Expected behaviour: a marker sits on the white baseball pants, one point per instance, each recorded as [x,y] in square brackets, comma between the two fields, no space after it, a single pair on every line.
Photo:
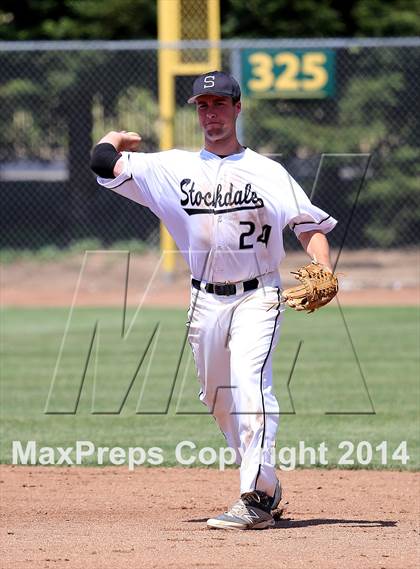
[232,339]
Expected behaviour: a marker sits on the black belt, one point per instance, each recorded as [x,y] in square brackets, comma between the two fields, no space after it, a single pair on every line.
[225,289]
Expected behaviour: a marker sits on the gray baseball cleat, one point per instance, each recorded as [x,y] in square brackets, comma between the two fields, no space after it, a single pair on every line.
[251,511]
[277,496]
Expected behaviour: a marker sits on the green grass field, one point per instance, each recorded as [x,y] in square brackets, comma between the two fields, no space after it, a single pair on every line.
[161,409]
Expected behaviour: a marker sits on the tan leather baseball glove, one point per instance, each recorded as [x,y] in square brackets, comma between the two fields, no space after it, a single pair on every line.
[318,286]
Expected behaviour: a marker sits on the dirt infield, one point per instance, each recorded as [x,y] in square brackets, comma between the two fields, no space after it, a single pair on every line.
[110,517]
[366,277]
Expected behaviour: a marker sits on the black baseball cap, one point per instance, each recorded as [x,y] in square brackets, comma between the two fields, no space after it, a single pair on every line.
[215,83]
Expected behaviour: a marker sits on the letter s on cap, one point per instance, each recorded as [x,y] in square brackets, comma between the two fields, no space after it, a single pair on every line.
[208,81]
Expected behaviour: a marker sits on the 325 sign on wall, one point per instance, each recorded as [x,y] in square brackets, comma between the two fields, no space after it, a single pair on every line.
[293,74]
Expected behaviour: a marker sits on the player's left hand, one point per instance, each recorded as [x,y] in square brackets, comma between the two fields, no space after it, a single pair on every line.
[318,287]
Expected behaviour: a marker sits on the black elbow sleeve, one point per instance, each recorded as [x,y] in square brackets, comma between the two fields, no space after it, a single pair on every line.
[103,159]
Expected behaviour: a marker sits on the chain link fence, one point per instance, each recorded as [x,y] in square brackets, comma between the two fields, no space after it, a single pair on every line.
[354,147]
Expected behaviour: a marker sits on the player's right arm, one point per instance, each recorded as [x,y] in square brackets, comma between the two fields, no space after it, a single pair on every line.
[137,176]
[106,160]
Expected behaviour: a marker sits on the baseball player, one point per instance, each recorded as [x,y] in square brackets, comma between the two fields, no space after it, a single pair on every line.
[226,207]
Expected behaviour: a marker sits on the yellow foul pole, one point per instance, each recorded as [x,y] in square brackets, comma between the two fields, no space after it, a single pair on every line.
[168,23]
[202,20]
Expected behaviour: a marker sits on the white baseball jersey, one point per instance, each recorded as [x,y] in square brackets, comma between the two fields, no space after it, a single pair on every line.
[226,215]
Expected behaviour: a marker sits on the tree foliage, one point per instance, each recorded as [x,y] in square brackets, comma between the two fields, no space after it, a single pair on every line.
[77,19]
[320,18]
[136,19]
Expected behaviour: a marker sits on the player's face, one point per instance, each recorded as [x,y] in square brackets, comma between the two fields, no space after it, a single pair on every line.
[217,116]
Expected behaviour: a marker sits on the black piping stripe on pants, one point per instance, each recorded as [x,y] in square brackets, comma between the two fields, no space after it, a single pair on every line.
[261,389]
